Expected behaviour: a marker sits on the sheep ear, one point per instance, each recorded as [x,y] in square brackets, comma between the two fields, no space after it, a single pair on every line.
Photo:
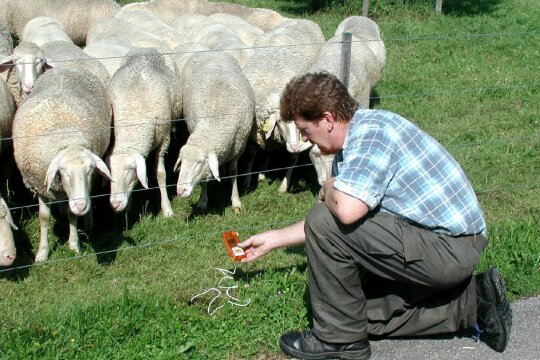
[49,64]
[271,125]
[177,165]
[7,215]
[141,169]
[214,165]
[51,170]
[7,63]
[101,167]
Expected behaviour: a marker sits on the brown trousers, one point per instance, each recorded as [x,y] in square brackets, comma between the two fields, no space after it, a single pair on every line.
[385,276]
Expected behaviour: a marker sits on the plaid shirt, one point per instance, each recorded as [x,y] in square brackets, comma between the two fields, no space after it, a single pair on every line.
[386,160]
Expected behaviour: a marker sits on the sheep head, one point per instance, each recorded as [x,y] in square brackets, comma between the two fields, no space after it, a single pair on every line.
[127,168]
[75,166]
[194,164]
[29,62]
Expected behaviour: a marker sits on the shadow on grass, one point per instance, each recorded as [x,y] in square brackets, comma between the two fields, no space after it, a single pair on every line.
[469,7]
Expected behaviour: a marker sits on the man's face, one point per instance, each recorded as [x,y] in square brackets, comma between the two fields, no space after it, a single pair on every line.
[317,132]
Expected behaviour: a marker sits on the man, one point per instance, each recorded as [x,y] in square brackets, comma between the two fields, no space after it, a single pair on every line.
[393,244]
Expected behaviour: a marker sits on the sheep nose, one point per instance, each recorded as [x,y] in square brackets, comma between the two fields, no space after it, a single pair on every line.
[115,204]
[81,206]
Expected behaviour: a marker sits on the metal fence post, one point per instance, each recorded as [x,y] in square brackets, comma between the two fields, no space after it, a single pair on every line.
[346,39]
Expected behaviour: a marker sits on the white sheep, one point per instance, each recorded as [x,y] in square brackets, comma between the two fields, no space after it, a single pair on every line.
[104,29]
[7,111]
[264,19]
[169,10]
[183,52]
[60,132]
[44,29]
[218,107]
[110,51]
[151,24]
[31,60]
[228,42]
[76,15]
[8,252]
[63,54]
[278,55]
[141,126]
[364,67]
[365,30]
[7,70]
[247,32]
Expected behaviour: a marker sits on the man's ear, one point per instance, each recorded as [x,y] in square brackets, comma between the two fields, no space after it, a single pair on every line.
[330,120]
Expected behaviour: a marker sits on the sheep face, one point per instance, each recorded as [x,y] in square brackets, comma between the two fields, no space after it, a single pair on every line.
[29,62]
[126,171]
[7,244]
[195,164]
[76,166]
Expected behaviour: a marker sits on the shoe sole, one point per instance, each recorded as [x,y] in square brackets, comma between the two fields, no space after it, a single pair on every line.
[497,288]
[364,354]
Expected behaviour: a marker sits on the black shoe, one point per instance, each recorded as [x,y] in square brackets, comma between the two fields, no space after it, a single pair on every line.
[304,345]
[494,313]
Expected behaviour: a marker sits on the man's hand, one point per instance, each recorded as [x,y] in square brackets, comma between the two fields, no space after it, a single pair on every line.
[258,245]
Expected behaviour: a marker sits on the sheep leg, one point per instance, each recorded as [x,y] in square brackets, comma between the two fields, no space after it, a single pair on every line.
[73,240]
[161,175]
[287,179]
[251,150]
[235,196]
[203,199]
[44,216]
[262,174]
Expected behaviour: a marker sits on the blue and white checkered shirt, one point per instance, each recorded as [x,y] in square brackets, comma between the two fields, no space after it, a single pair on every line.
[386,160]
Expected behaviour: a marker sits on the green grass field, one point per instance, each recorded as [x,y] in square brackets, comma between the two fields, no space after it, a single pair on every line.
[470,77]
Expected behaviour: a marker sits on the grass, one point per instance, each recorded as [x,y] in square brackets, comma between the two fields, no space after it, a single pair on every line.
[132,300]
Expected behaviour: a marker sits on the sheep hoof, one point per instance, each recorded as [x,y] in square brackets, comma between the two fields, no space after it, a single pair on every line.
[168,213]
[237,210]
[42,255]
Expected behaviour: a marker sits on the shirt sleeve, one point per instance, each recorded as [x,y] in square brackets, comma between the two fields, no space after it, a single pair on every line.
[368,163]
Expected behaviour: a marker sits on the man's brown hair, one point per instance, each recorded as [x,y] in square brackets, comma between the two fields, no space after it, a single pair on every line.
[311,94]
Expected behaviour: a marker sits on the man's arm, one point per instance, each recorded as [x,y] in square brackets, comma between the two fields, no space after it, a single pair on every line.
[261,244]
[347,209]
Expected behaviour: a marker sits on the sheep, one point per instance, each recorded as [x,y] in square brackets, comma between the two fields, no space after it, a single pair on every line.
[218,106]
[63,54]
[368,31]
[109,51]
[247,32]
[364,67]
[106,28]
[141,127]
[31,60]
[169,10]
[44,29]
[76,15]
[7,111]
[8,252]
[153,25]
[228,42]
[264,19]
[7,72]
[183,52]
[277,56]
[60,132]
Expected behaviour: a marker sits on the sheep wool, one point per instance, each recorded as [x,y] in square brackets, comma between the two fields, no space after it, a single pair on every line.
[218,108]
[76,15]
[141,126]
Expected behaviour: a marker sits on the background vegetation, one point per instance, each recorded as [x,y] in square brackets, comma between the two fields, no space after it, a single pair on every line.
[469,77]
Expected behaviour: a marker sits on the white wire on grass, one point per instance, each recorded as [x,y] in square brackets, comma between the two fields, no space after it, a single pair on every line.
[227,274]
